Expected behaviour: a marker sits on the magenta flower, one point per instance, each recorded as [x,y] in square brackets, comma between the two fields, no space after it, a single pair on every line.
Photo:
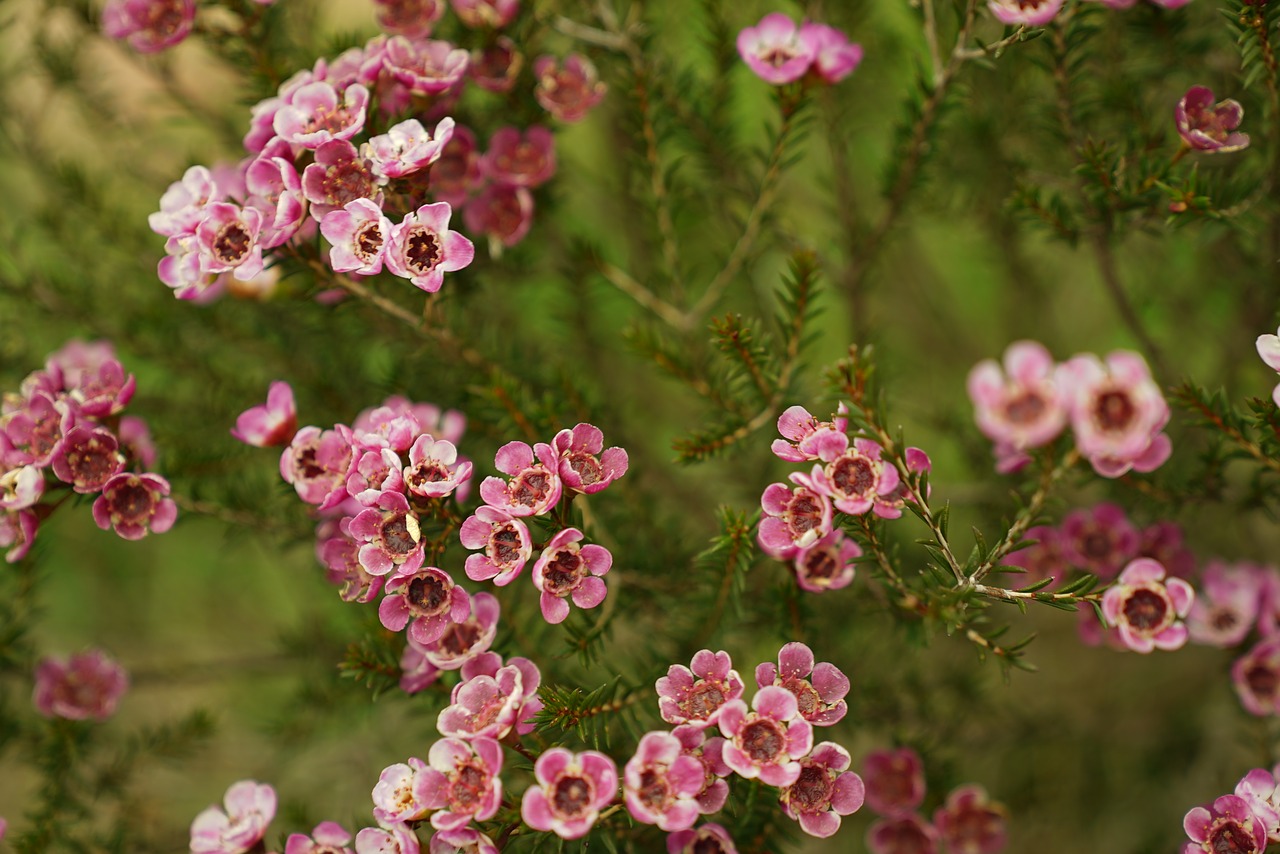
[434,470]
[88,458]
[1226,605]
[374,473]
[465,839]
[250,806]
[135,441]
[583,465]
[464,640]
[497,66]
[908,834]
[489,663]
[568,570]
[534,487]
[709,838]
[502,212]
[149,26]
[834,56]
[804,436]
[828,564]
[767,741]
[1046,559]
[894,781]
[35,431]
[397,840]
[794,518]
[1258,790]
[427,596]
[17,533]
[521,159]
[567,92]
[387,427]
[338,177]
[426,67]
[970,822]
[571,790]
[1206,126]
[1117,412]
[1020,407]
[1032,13]
[660,783]
[484,706]
[1146,606]
[1100,540]
[389,536]
[357,235]
[819,689]
[1228,826]
[314,115]
[412,19]
[824,792]
[713,790]
[88,685]
[134,505]
[775,50]
[505,541]
[422,248]
[275,190]
[697,696]
[406,148]
[855,477]
[329,837]
[272,423]
[1256,677]
[493,14]
[405,792]
[463,781]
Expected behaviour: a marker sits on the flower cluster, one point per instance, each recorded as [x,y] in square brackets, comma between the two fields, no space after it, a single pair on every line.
[780,52]
[849,475]
[381,187]
[1116,411]
[63,432]
[968,821]
[87,685]
[1245,821]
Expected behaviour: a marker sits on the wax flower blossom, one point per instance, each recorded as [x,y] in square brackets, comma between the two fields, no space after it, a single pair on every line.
[426,596]
[1020,407]
[1100,540]
[585,465]
[1032,13]
[1256,677]
[481,710]
[767,741]
[570,791]
[272,423]
[405,791]
[534,486]
[1228,825]
[149,26]
[795,518]
[1227,604]
[329,837]
[828,564]
[567,91]
[697,694]
[819,688]
[422,248]
[249,808]
[1209,127]
[774,50]
[855,478]
[709,752]
[908,834]
[1117,412]
[357,235]
[134,505]
[968,821]
[824,792]
[567,570]
[506,543]
[1258,789]
[1269,350]
[463,782]
[1147,607]
[804,436]
[88,685]
[406,148]
[661,783]
[894,781]
[709,838]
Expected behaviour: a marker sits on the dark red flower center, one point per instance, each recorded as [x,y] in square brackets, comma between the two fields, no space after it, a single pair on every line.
[1025,408]
[803,513]
[232,243]
[467,787]
[587,467]
[973,827]
[563,574]
[572,796]
[708,844]
[396,536]
[1263,680]
[504,545]
[93,462]
[812,790]
[853,475]
[531,487]
[1113,410]
[654,791]
[1145,609]
[807,698]
[346,181]
[164,18]
[132,502]
[422,250]
[368,240]
[1230,838]
[822,564]
[460,637]
[762,740]
[428,594]
[702,700]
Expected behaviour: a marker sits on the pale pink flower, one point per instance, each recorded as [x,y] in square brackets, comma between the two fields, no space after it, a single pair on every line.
[357,236]
[502,212]
[891,504]
[565,570]
[149,26]
[272,423]
[567,92]
[894,781]
[406,148]
[1227,604]
[466,639]
[1269,350]
[404,792]
[22,486]
[767,741]
[275,189]
[696,695]
[534,486]
[1147,607]
[1032,13]
[457,172]
[506,543]
[316,463]
[1117,412]
[1209,127]
[908,834]
[660,783]
[134,505]
[88,685]
[182,205]
[34,432]
[374,473]
[463,781]
[493,14]
[315,114]
[389,536]
[416,670]
[434,470]
[387,427]
[584,465]
[794,518]
[709,838]
[824,792]
[834,56]
[135,441]
[249,808]
[490,663]
[1022,406]
[1258,790]
[855,477]
[819,689]
[709,752]
[484,706]
[1227,826]
[427,67]
[465,840]
[1256,677]
[413,19]
[329,837]
[520,158]
[804,436]
[828,564]
[570,791]
[17,534]
[396,840]
[775,51]
[429,598]
[422,248]
[338,177]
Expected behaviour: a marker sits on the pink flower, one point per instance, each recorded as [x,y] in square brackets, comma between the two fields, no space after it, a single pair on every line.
[465,839]
[88,458]
[1269,350]
[505,541]
[250,806]
[1146,606]
[428,597]
[775,50]
[406,148]
[329,837]
[275,190]
[227,238]
[855,478]
[1228,826]
[374,473]
[22,487]
[819,689]
[660,783]
[387,427]
[1227,604]
[697,696]
[434,470]
[583,468]
[338,177]
[133,503]
[1045,559]
[88,685]
[466,639]
[416,670]
[494,14]
[894,780]
[534,487]
[567,92]
[135,440]
[17,533]
[34,432]
[1117,412]
[501,211]
[457,172]
[398,840]
[316,464]
[890,504]
[314,115]
[182,205]
[835,57]
[969,822]
[357,235]
[713,790]
[1258,790]
[794,518]
[273,423]
[149,25]
[1256,677]
[804,436]
[1100,540]
[492,699]
[1020,407]
[412,19]
[496,67]
[427,67]
[521,159]
[1032,13]
[490,663]
[405,792]
[389,536]
[571,790]
[463,781]
[767,741]
[1210,127]
[710,838]
[566,569]
[909,834]
[828,564]
[1163,543]
[824,791]
[422,248]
